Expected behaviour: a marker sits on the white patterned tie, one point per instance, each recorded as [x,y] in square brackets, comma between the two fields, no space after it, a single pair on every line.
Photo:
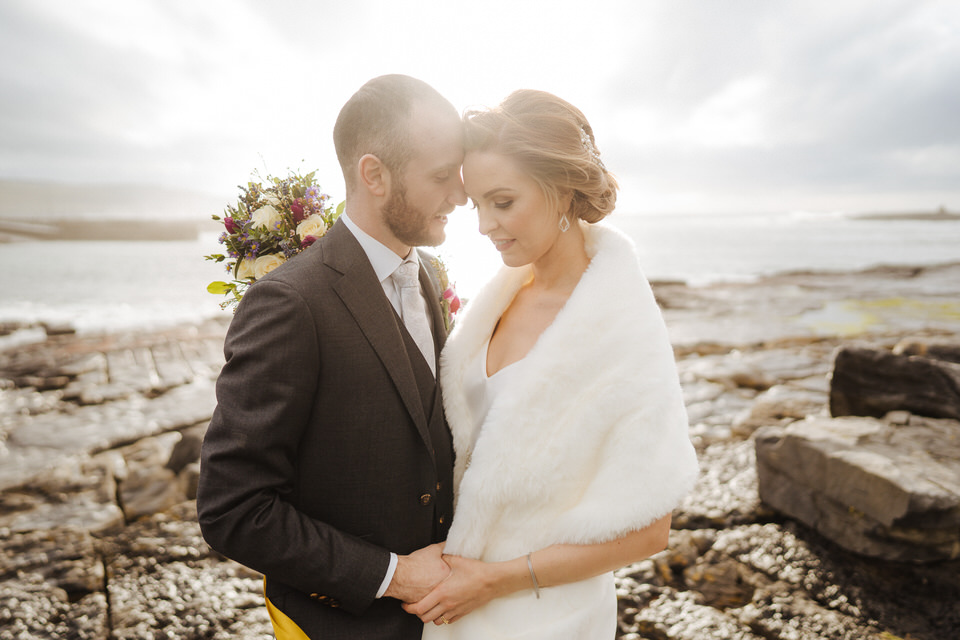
[413,310]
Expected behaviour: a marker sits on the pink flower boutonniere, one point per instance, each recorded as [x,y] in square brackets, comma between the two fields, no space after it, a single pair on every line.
[449,301]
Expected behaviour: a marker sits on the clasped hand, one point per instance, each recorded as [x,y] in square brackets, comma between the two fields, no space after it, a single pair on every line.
[468,585]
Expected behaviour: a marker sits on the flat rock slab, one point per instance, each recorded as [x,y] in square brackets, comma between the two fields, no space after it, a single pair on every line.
[779,405]
[80,493]
[813,304]
[758,370]
[875,488]
[37,444]
[148,486]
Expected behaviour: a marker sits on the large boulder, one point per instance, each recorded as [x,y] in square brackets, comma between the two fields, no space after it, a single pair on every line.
[873,382]
[879,489]
[938,349]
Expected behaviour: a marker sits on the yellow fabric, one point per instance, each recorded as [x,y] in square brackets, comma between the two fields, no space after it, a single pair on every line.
[283,627]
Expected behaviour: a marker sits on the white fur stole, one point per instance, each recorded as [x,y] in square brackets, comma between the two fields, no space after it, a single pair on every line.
[591,442]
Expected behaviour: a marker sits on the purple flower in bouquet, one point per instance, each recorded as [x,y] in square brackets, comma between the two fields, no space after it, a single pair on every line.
[272,221]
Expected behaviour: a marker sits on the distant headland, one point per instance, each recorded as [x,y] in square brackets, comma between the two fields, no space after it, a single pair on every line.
[38,210]
[940,214]
[12,230]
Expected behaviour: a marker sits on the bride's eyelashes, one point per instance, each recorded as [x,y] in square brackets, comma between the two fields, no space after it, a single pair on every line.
[505,204]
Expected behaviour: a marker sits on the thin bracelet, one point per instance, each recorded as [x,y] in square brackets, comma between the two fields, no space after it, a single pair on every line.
[533,576]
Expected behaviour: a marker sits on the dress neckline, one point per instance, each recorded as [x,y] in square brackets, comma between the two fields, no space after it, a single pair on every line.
[483,362]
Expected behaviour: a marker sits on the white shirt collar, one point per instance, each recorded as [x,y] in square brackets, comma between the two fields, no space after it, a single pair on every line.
[383,259]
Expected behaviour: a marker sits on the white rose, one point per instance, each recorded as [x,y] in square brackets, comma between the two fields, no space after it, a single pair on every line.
[312,226]
[266,217]
[269,198]
[266,264]
[246,269]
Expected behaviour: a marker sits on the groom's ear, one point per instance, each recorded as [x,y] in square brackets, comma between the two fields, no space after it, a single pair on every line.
[374,175]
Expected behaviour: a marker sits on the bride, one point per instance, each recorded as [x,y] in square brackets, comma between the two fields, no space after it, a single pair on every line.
[561,392]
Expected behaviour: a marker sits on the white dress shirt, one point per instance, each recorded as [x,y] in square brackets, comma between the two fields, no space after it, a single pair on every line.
[384,262]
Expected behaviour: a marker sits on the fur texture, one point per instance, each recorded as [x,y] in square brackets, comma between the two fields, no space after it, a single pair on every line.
[592,441]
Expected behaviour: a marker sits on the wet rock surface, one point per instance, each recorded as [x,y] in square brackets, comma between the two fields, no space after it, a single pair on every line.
[99,441]
[876,487]
[873,382]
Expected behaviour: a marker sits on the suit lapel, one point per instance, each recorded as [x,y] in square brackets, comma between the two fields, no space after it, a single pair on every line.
[433,304]
[363,296]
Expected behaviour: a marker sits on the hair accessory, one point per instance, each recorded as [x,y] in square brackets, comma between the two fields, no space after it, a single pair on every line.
[590,148]
[533,576]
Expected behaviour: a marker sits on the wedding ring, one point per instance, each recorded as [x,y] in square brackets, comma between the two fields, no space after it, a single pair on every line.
[444,620]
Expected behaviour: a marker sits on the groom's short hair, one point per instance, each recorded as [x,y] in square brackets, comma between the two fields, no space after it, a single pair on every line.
[375,120]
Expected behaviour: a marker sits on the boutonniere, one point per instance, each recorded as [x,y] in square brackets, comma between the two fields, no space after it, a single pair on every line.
[449,301]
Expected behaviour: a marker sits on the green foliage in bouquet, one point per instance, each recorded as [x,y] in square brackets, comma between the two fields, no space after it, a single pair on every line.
[273,220]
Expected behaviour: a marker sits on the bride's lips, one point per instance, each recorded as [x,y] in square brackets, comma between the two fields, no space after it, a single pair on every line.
[502,245]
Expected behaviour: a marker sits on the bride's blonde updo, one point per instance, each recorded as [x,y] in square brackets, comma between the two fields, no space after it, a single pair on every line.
[553,143]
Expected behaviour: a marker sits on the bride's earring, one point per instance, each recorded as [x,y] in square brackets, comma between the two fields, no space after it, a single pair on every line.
[564,223]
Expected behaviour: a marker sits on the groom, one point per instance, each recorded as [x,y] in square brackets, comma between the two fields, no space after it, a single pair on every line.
[328,464]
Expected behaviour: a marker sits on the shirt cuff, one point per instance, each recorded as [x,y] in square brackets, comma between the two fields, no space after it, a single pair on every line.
[387,579]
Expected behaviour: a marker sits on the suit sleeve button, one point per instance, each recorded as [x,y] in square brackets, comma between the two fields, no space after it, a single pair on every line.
[426,499]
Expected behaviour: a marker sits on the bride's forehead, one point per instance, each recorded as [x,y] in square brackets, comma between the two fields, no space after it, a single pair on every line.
[484,172]
[488,164]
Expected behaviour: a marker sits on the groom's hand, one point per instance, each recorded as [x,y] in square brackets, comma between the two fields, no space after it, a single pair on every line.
[418,573]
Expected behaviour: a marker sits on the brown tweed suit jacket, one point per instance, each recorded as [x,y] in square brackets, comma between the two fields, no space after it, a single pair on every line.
[328,448]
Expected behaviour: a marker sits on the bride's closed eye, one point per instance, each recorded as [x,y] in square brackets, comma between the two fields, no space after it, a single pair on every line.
[505,204]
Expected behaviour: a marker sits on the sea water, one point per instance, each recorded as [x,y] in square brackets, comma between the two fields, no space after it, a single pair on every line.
[114,285]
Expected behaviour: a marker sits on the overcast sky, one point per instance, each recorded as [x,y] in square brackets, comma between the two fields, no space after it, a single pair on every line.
[698,105]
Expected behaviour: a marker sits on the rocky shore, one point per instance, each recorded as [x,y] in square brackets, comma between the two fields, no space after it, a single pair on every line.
[100,436]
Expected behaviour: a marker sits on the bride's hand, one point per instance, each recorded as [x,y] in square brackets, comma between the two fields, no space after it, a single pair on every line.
[470,584]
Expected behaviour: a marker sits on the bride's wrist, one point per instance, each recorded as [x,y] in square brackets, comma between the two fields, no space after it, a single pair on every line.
[513,576]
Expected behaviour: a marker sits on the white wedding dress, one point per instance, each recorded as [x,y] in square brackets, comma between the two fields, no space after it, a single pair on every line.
[585,610]
[583,441]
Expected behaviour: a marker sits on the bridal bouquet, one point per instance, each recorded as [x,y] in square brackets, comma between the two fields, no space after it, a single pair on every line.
[273,220]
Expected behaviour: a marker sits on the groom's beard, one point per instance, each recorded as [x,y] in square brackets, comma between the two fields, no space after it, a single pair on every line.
[409,225]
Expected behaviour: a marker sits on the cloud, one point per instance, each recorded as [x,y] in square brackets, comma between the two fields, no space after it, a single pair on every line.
[696,104]
[842,97]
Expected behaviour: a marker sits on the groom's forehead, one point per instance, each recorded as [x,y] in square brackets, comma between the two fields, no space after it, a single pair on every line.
[437,142]
[435,121]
